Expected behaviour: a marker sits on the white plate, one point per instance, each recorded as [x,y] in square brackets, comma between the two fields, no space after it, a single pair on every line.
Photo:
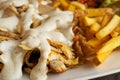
[111,65]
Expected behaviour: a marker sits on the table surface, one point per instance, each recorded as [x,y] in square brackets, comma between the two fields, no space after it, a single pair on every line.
[115,76]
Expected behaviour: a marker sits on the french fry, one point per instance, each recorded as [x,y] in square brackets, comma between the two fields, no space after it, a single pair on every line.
[71,7]
[96,42]
[107,48]
[99,59]
[78,5]
[108,28]
[56,4]
[64,3]
[98,12]
[114,34]
[106,19]
[99,19]
[95,27]
[89,21]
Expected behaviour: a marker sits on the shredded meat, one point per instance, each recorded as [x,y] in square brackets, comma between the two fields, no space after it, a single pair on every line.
[82,48]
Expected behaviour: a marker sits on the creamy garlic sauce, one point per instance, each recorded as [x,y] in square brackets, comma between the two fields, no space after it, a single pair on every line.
[46,2]
[37,37]
[9,23]
[1,13]
[27,18]
[34,3]
[16,3]
[12,58]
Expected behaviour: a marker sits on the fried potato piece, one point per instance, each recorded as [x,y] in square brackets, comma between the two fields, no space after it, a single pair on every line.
[116,31]
[108,28]
[86,44]
[98,12]
[89,21]
[96,42]
[64,3]
[106,19]
[78,5]
[56,4]
[95,27]
[106,49]
[99,59]
[71,7]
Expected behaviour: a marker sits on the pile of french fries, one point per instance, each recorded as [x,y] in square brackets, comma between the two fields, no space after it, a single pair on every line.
[68,5]
[101,29]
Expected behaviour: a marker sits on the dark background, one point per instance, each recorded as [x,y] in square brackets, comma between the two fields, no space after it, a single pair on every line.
[115,76]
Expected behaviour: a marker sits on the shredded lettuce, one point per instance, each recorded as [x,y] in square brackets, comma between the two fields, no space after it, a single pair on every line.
[106,3]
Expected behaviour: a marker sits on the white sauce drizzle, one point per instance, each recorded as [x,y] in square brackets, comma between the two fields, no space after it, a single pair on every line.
[1,13]
[17,3]
[10,23]
[43,2]
[38,38]
[34,3]
[27,18]
[12,58]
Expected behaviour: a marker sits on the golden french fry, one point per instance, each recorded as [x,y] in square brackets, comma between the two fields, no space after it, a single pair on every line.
[108,28]
[96,42]
[64,3]
[78,5]
[114,34]
[106,19]
[110,45]
[107,48]
[56,4]
[99,19]
[101,58]
[95,27]
[98,12]
[71,7]
[89,21]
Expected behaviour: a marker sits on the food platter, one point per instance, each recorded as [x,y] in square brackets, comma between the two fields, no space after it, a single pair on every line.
[68,41]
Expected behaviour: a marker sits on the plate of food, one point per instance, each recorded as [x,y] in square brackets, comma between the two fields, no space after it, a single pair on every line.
[58,39]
